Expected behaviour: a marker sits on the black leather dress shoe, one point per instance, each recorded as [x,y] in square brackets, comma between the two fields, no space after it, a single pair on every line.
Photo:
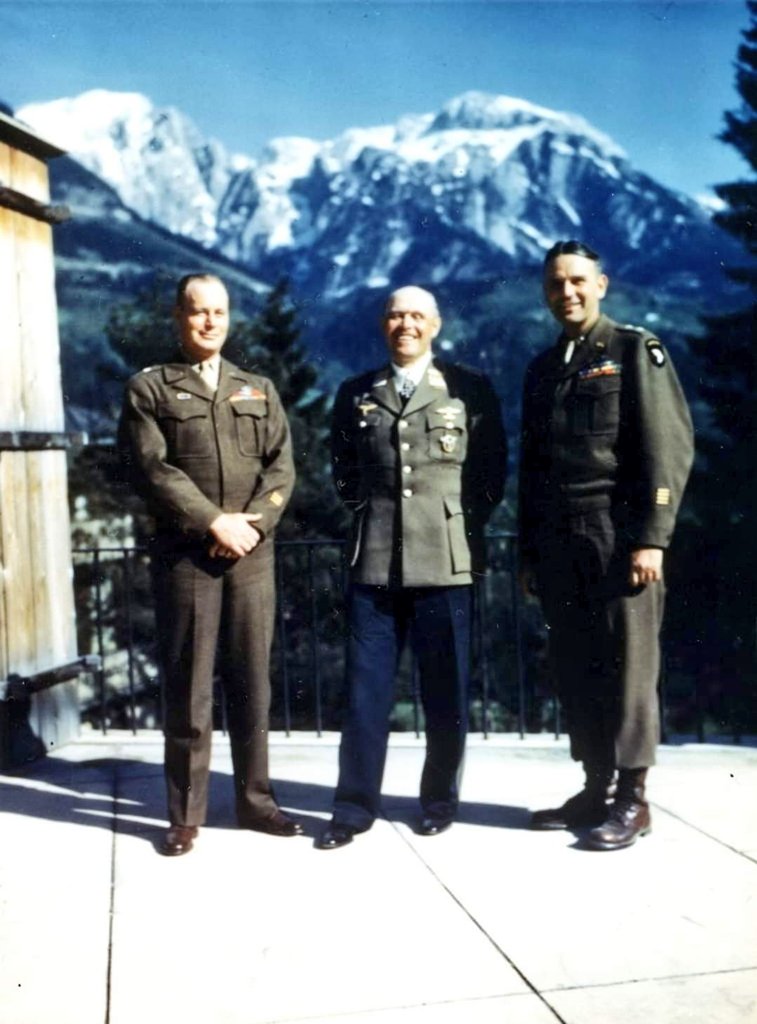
[178,840]
[277,825]
[584,810]
[433,826]
[335,836]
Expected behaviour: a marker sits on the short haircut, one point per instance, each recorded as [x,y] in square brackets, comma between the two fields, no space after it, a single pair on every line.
[184,283]
[415,288]
[572,247]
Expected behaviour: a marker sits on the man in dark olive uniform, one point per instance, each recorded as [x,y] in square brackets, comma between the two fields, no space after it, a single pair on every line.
[606,451]
[419,457]
[208,447]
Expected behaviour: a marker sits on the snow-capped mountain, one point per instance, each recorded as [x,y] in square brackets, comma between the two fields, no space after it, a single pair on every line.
[155,159]
[483,186]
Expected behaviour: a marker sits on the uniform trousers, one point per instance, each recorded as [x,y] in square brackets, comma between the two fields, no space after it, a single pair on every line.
[603,640]
[438,622]
[214,614]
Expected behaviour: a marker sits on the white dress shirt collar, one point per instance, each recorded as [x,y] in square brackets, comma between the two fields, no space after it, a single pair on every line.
[415,371]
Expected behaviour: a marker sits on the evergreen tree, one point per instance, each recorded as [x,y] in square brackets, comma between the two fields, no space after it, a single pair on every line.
[723,490]
[270,345]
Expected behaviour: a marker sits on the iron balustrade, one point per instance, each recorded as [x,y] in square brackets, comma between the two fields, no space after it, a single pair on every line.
[511,688]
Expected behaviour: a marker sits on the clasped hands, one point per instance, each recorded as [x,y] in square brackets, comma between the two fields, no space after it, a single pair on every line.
[234,535]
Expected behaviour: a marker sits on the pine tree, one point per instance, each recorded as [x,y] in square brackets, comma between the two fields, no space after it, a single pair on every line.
[270,345]
[724,485]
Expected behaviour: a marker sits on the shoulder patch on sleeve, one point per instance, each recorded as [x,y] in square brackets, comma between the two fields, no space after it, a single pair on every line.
[655,352]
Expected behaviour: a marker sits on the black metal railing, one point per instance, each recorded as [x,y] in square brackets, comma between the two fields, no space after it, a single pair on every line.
[511,687]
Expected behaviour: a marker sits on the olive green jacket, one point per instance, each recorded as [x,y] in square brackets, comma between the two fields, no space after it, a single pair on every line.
[609,429]
[194,453]
[422,479]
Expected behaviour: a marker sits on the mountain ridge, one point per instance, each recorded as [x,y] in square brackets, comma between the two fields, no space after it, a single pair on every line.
[482,185]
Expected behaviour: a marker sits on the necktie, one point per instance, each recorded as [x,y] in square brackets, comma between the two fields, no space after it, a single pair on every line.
[407,387]
[207,372]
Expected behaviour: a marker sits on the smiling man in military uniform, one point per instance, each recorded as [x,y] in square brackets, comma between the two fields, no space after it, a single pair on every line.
[208,446]
[419,457]
[606,451]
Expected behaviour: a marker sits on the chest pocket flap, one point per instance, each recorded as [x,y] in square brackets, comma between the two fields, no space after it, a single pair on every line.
[187,427]
[594,406]
[249,416]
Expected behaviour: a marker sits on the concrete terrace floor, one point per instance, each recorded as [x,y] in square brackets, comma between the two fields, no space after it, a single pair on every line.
[488,923]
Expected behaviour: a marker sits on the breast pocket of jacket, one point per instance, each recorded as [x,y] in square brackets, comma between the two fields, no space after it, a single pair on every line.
[250,420]
[188,429]
[594,405]
[447,436]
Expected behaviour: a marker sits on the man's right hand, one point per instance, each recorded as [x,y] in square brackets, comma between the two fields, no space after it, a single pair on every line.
[234,535]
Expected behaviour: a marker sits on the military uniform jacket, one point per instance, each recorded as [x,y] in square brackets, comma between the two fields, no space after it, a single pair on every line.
[609,430]
[422,479]
[195,453]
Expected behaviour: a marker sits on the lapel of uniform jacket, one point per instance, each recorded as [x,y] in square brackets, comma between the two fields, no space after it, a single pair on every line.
[384,392]
[230,380]
[431,387]
[182,377]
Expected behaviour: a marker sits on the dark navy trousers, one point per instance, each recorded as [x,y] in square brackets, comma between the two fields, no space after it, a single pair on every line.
[437,621]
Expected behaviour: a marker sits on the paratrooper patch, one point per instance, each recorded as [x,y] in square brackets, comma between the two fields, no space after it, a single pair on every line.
[655,352]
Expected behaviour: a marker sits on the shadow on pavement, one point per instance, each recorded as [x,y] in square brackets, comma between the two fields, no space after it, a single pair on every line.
[128,796]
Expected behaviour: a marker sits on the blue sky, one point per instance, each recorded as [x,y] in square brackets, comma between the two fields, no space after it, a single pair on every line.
[655,76]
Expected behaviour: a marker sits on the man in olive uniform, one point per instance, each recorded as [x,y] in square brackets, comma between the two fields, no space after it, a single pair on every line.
[208,446]
[419,457]
[606,451]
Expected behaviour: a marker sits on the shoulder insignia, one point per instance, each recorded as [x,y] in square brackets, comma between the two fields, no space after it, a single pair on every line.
[149,369]
[435,378]
[655,352]
[633,327]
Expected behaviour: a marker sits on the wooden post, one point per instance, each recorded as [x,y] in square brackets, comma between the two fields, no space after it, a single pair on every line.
[37,622]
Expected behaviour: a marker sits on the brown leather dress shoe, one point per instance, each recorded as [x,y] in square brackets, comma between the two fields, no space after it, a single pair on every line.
[279,824]
[625,822]
[178,840]
[629,815]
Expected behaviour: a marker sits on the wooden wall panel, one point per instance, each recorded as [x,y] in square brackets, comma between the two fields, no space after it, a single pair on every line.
[50,570]
[37,618]
[11,379]
[35,268]
[16,533]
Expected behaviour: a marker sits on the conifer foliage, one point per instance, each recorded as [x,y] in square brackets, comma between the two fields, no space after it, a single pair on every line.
[724,485]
